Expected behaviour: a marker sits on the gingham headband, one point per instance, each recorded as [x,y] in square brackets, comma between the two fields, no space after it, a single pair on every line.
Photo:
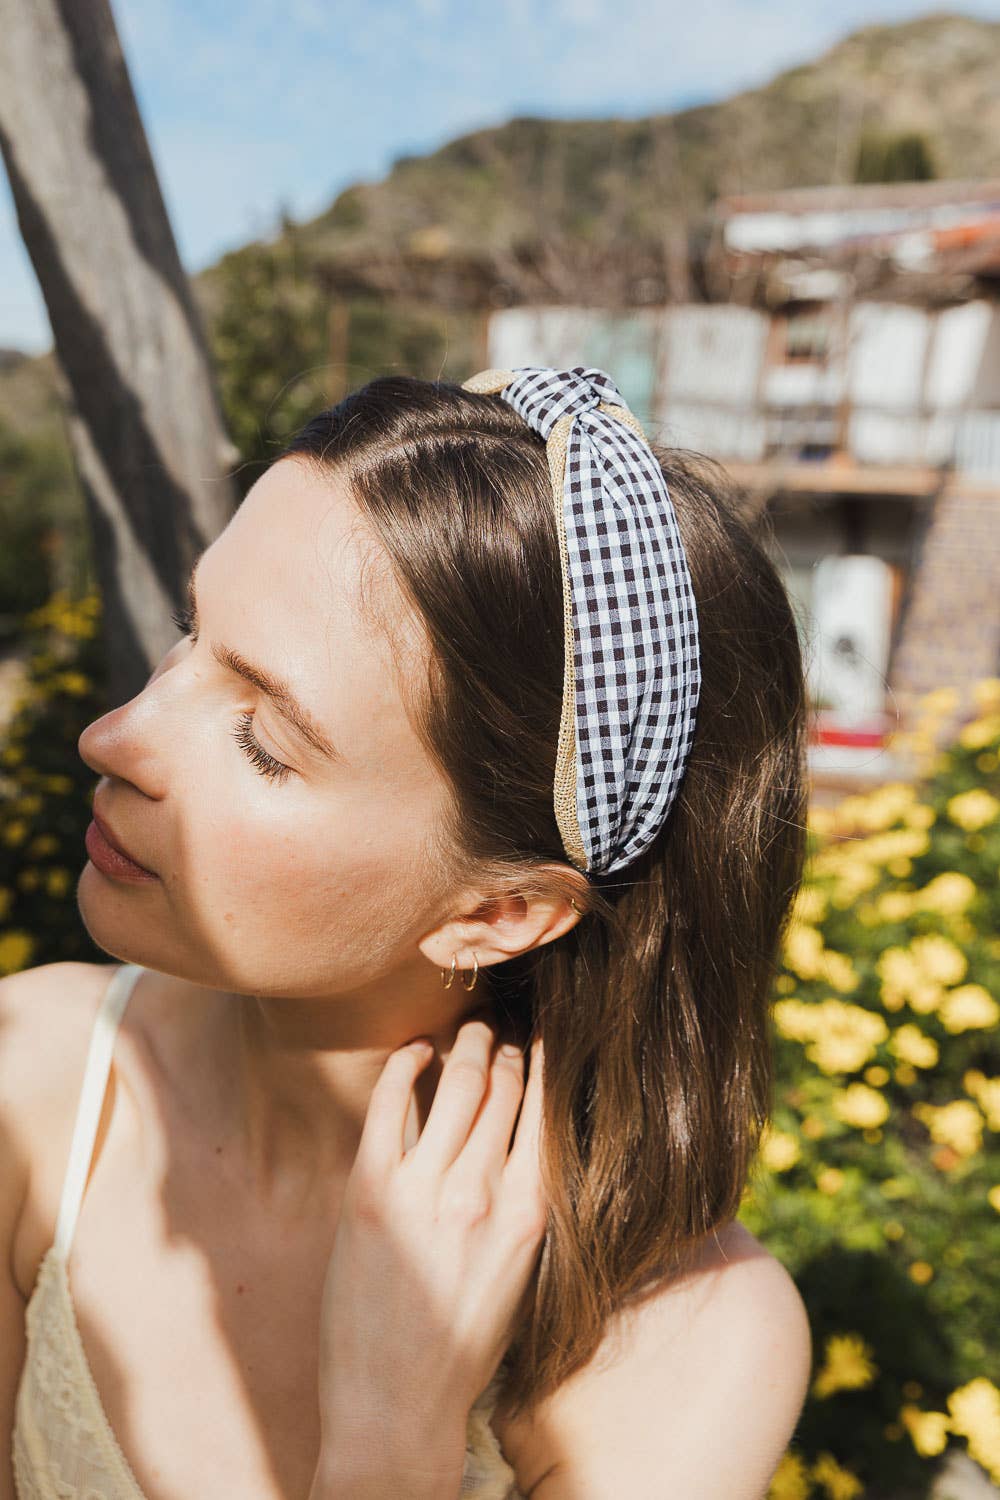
[632,675]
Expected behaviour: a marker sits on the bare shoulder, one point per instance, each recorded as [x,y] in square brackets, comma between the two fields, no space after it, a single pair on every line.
[47,1016]
[724,1349]
[43,1014]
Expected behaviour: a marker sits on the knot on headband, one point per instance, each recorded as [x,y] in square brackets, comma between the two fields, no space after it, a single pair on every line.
[632,669]
[543,397]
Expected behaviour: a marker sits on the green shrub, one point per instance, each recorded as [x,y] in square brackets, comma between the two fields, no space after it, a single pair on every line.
[878,1181]
[46,789]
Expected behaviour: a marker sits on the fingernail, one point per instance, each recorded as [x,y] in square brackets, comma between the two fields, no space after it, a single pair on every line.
[422,1044]
[510,1049]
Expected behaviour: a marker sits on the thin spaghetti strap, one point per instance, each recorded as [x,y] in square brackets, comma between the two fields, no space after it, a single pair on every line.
[88,1112]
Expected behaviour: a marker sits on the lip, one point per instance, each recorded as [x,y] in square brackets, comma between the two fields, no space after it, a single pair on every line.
[107,853]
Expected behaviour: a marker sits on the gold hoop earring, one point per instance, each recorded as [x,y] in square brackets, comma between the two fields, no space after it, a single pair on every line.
[447,983]
[475,974]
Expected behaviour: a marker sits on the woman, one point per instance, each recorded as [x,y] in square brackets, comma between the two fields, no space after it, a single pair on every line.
[314,1259]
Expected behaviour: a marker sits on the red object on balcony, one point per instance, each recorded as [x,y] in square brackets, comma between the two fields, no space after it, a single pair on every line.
[826,731]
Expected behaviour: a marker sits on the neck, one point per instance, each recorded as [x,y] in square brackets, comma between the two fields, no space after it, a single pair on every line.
[302,1071]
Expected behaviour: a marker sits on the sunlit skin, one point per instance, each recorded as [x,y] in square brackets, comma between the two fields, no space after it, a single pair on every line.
[308,915]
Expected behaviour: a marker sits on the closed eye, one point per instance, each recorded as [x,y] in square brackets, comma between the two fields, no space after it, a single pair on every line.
[259,758]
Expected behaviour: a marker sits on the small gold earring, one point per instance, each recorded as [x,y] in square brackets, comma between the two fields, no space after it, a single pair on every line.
[475,974]
[447,983]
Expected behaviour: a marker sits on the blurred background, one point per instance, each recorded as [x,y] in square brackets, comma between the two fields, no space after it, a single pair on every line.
[778,227]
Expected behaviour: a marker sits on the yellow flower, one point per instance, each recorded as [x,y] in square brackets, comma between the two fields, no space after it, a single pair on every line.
[921,1271]
[841,1037]
[791,1480]
[974,809]
[967,1008]
[16,949]
[860,1106]
[803,950]
[894,906]
[893,1229]
[58,881]
[928,1429]
[912,1045]
[42,844]
[844,1036]
[848,1365]
[986,1092]
[986,692]
[812,1127]
[809,905]
[938,702]
[877,1076]
[830,1180]
[975,1415]
[979,733]
[939,958]
[779,1150]
[948,893]
[58,784]
[74,683]
[820,820]
[838,1483]
[904,979]
[919,816]
[15,832]
[958,1125]
[838,970]
[794,1019]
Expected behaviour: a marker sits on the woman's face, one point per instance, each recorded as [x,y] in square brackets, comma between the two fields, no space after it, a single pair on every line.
[316,879]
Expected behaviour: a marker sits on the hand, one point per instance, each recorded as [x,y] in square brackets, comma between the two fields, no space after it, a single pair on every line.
[434,1251]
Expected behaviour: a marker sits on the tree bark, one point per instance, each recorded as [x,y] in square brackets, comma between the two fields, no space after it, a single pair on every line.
[144,418]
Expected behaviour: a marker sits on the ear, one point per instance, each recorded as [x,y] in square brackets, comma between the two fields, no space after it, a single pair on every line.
[498,927]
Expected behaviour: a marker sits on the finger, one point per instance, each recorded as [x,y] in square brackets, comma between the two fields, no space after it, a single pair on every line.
[522,1163]
[387,1118]
[485,1152]
[458,1096]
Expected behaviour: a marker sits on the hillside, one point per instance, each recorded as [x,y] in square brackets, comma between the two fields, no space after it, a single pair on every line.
[608,180]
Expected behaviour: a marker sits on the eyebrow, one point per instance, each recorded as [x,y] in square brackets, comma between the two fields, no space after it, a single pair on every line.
[272,686]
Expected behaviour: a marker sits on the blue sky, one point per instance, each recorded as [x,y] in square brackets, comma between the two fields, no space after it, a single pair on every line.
[258,106]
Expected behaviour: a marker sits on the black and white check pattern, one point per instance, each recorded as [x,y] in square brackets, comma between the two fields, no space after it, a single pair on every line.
[635,624]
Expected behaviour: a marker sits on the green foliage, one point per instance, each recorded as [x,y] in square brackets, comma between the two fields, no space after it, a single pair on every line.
[270,343]
[906,157]
[388,337]
[40,511]
[878,1180]
[46,789]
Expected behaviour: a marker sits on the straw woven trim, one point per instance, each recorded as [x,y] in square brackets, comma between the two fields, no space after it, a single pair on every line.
[488,383]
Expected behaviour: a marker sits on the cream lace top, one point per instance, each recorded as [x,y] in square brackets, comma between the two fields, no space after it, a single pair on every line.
[64,1447]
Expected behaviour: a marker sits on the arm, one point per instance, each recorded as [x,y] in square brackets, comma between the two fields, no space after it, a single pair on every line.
[700,1393]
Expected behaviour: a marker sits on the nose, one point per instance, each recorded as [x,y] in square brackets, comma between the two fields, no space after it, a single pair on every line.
[107,740]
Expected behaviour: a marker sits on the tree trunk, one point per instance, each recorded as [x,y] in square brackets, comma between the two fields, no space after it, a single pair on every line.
[145,422]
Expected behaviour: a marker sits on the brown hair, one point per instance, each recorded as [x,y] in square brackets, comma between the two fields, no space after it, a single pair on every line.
[655,1007]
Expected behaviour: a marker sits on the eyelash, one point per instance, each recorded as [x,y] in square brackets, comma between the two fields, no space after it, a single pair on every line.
[255,752]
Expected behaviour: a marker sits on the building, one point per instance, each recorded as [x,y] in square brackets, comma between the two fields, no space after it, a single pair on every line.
[849,379]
